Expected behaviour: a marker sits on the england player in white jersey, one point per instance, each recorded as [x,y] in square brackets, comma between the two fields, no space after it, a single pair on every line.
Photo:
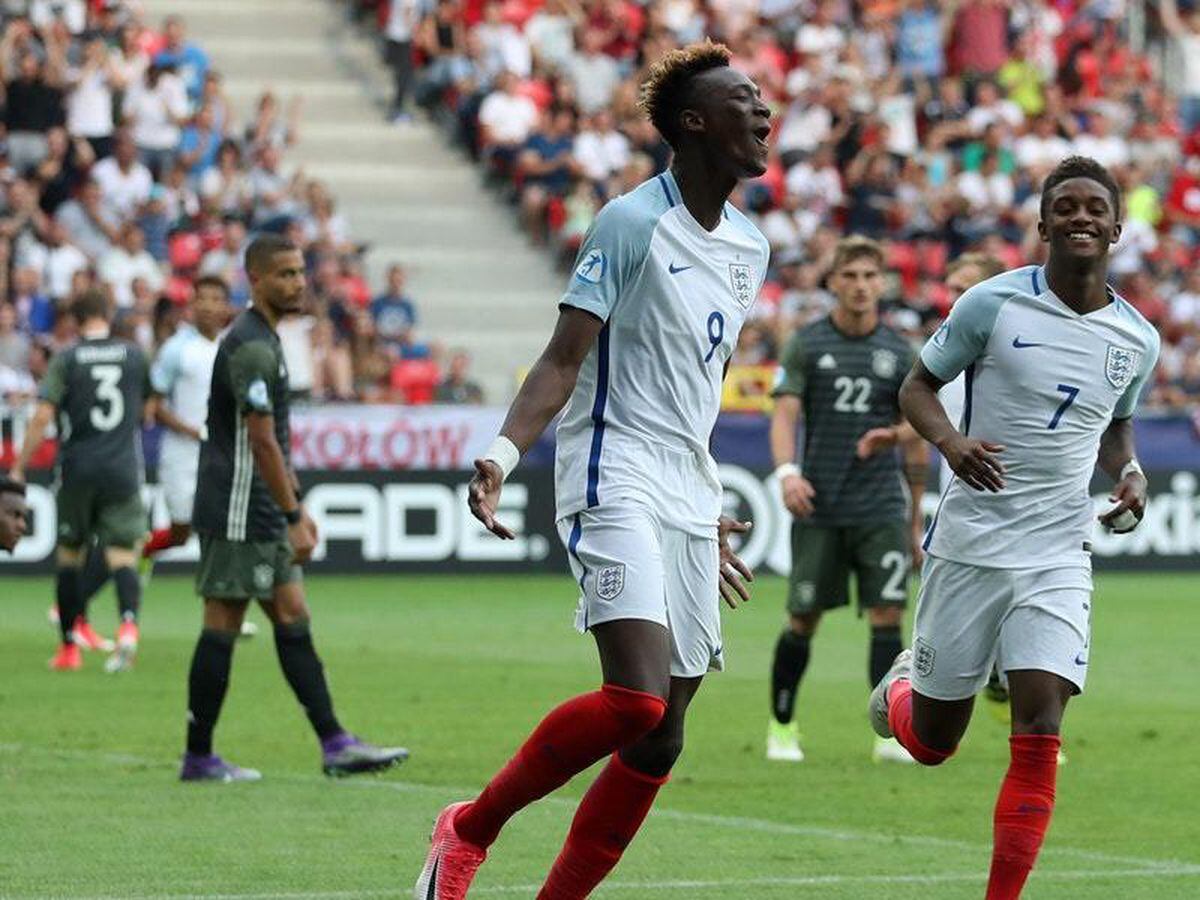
[180,378]
[662,285]
[1054,364]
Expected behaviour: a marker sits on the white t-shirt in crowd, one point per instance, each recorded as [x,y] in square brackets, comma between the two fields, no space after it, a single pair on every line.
[118,269]
[508,117]
[600,155]
[90,104]
[153,111]
[123,192]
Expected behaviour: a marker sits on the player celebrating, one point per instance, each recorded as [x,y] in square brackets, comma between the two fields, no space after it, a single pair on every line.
[14,514]
[98,389]
[845,370]
[646,327]
[254,534]
[1054,364]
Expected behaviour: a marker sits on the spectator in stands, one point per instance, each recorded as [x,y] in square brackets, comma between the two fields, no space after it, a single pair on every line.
[93,86]
[601,151]
[323,224]
[593,73]
[1184,308]
[226,261]
[504,46]
[403,17]
[126,261]
[57,260]
[546,165]
[199,143]
[395,314]
[155,222]
[1181,210]
[1098,142]
[271,126]
[370,361]
[88,222]
[15,346]
[187,59]
[1185,30]
[457,387]
[123,179]
[155,108]
[130,59]
[63,169]
[919,27]
[978,36]
[35,310]
[273,189]
[22,220]
[181,202]
[45,14]
[34,96]
[226,184]
[551,32]
[506,119]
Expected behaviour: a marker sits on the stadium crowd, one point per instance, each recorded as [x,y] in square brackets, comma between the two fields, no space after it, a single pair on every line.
[124,165]
[926,125]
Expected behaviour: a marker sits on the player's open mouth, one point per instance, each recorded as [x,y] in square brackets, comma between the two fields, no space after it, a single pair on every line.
[1081,237]
[761,135]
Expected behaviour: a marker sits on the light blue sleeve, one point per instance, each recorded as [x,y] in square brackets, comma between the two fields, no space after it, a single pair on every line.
[165,370]
[612,253]
[964,335]
[1129,400]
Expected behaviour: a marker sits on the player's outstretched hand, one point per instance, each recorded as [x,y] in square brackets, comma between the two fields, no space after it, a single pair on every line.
[303,538]
[733,570]
[876,441]
[975,462]
[1130,498]
[483,496]
[798,495]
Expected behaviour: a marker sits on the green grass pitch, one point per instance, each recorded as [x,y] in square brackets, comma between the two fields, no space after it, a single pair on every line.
[459,669]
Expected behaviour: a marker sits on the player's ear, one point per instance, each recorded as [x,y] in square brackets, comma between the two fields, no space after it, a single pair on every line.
[691,120]
[1116,233]
[1043,235]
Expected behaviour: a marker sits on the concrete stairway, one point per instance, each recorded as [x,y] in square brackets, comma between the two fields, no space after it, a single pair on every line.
[414,199]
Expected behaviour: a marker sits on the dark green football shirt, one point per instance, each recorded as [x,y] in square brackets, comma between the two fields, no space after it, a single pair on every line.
[249,378]
[848,386]
[99,387]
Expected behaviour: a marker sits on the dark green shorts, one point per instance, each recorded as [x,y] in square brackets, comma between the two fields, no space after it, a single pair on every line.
[824,557]
[85,513]
[243,570]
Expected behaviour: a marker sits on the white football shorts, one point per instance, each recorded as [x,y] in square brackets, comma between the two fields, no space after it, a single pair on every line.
[178,472]
[970,617]
[630,564]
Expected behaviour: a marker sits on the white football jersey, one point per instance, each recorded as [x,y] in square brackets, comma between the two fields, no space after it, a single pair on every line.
[1045,382]
[183,374]
[673,298]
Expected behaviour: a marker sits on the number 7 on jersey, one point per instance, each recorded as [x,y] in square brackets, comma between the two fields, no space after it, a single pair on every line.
[1072,392]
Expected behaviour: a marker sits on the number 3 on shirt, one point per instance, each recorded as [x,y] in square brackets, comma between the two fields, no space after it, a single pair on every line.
[1072,392]
[716,333]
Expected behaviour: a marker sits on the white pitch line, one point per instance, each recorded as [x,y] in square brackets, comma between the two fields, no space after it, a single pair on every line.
[735,822]
[689,885]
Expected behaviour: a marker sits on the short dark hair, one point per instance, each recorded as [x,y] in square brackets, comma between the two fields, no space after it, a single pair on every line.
[11,486]
[265,246]
[213,281]
[1081,167]
[91,304]
[855,247]
[667,88]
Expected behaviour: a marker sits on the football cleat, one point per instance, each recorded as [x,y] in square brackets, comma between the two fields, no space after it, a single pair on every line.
[127,644]
[344,754]
[212,768]
[451,864]
[248,629]
[877,706]
[69,658]
[890,750]
[783,742]
[87,638]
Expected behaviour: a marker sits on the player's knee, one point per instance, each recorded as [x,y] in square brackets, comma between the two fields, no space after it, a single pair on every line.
[1040,722]
[886,617]
[637,711]
[69,557]
[656,754]
[804,625]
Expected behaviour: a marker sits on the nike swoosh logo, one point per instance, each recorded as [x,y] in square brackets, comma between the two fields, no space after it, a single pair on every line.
[1081,660]
[431,894]
[675,270]
[1021,345]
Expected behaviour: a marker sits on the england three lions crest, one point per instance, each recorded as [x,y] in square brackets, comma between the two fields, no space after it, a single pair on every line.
[1120,365]
[741,282]
[610,581]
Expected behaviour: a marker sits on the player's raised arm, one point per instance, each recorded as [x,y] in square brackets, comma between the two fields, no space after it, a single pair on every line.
[542,395]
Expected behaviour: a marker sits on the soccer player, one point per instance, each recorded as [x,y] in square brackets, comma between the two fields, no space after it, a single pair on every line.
[1054,363]
[14,514]
[661,287]
[254,533]
[98,389]
[851,511]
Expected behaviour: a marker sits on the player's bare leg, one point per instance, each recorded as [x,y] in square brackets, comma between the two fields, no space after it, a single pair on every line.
[342,753]
[787,669]
[635,659]
[122,562]
[927,728]
[1026,800]
[208,681]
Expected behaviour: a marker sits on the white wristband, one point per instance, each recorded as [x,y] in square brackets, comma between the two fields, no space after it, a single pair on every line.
[1131,467]
[503,453]
[787,470]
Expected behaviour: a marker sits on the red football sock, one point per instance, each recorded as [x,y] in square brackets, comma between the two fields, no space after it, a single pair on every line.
[571,738]
[159,540]
[608,817]
[1023,812]
[900,721]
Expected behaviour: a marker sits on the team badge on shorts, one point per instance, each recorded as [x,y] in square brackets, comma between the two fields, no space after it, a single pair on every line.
[263,576]
[883,363]
[610,581]
[923,656]
[741,280]
[1120,365]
